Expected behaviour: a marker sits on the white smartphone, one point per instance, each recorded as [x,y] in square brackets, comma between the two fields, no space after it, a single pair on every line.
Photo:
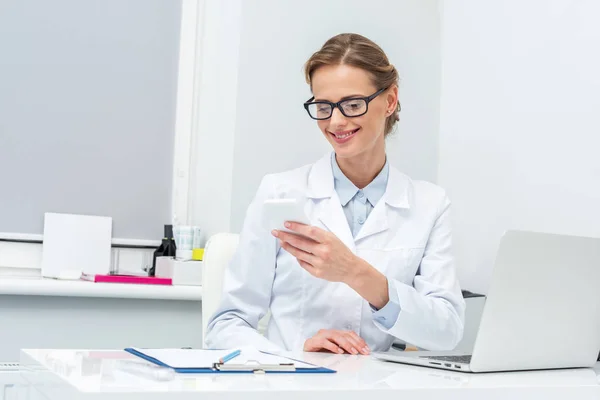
[276,212]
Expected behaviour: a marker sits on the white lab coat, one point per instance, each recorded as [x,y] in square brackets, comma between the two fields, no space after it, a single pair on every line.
[407,237]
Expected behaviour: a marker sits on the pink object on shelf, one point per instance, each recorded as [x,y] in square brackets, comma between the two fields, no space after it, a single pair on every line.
[140,280]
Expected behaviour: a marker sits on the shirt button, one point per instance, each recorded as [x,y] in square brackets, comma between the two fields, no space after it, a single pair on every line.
[361,220]
[360,194]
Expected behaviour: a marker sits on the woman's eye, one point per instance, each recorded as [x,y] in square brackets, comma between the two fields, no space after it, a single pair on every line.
[353,105]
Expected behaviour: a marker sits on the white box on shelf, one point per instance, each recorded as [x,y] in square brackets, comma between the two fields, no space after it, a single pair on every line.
[181,272]
[74,244]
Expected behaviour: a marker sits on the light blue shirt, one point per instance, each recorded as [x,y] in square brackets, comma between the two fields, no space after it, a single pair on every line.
[358,204]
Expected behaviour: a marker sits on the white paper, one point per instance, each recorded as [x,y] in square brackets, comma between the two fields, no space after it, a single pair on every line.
[75,244]
[196,358]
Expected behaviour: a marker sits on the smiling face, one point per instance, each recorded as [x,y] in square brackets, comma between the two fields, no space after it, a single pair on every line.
[356,137]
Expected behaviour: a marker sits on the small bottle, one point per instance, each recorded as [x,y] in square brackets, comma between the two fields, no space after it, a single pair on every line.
[166,249]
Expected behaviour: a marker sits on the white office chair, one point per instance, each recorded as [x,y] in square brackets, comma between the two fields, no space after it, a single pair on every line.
[218,253]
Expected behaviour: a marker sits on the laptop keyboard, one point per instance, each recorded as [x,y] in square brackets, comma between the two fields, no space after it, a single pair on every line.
[458,359]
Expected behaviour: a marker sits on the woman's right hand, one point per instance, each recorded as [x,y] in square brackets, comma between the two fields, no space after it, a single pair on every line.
[337,341]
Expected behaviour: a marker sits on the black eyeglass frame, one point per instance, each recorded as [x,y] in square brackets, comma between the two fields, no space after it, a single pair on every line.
[337,105]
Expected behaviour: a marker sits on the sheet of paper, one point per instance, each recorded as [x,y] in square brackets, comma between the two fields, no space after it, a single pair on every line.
[186,358]
[74,244]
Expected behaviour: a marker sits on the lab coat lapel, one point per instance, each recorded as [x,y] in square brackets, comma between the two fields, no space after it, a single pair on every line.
[327,207]
[395,197]
[377,221]
[332,216]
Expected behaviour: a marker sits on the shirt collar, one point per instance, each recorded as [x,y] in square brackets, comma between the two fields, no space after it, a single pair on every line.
[346,190]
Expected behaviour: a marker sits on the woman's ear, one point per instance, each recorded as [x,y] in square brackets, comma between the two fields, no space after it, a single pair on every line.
[392,99]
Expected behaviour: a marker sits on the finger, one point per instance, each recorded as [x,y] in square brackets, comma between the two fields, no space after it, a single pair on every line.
[343,341]
[308,267]
[363,345]
[358,342]
[361,341]
[299,254]
[283,235]
[311,232]
[353,342]
[299,242]
[311,345]
[327,344]
[318,343]
[314,271]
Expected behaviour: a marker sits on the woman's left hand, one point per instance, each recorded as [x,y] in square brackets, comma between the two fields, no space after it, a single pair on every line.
[319,252]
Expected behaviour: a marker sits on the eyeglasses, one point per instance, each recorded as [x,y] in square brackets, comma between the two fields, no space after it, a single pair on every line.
[354,107]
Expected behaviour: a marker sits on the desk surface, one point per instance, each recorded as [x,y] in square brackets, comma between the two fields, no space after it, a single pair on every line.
[86,374]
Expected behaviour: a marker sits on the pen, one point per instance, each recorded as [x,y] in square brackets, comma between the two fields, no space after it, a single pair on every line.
[229,356]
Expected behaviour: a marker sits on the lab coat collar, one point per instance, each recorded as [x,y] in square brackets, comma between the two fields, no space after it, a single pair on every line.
[331,214]
[321,184]
[395,196]
[396,192]
[320,179]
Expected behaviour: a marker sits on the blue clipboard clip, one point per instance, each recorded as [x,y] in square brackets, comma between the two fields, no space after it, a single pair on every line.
[254,366]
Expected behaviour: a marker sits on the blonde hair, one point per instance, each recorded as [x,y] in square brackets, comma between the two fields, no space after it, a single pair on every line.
[357,51]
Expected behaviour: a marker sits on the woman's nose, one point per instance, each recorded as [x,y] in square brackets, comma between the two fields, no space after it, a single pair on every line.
[337,118]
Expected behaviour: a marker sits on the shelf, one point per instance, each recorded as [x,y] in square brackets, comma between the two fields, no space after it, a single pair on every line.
[36,286]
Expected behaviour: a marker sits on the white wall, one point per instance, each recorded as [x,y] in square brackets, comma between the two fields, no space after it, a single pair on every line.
[212,160]
[519,135]
[274,39]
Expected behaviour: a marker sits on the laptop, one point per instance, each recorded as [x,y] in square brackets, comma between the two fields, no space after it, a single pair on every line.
[542,309]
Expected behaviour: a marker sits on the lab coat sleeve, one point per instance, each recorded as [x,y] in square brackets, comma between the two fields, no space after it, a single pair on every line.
[247,284]
[432,309]
[388,315]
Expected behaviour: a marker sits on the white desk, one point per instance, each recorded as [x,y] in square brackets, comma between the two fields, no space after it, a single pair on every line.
[49,313]
[73,374]
[13,386]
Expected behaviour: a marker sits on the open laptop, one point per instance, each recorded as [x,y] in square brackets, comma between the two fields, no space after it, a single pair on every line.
[542,310]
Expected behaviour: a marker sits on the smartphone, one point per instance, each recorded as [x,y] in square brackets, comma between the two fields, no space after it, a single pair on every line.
[276,212]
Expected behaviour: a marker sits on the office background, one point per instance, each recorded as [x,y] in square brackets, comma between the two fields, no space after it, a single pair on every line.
[513,138]
[499,107]
[253,58]
[518,137]
[87,110]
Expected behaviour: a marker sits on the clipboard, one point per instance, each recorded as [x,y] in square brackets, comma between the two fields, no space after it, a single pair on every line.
[248,367]
[254,367]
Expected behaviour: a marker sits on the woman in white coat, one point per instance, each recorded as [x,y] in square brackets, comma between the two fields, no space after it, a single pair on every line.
[375,265]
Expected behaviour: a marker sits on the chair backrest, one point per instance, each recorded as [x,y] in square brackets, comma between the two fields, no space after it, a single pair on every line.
[218,252]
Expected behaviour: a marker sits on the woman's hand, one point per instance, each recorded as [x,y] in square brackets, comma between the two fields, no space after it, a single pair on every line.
[337,341]
[319,252]
[325,256]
